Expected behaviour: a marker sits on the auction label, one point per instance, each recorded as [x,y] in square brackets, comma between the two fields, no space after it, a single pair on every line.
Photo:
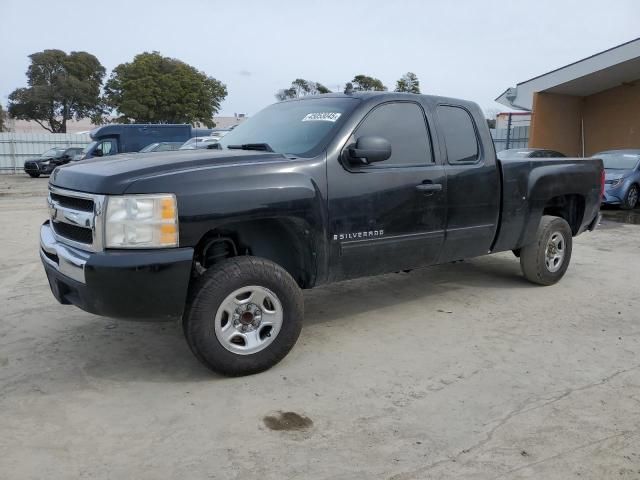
[321,117]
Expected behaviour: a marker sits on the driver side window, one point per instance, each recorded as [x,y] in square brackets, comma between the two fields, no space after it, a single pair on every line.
[403,125]
[107,147]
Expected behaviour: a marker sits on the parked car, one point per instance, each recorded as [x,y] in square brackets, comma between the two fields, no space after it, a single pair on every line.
[196,143]
[45,163]
[307,192]
[220,132]
[126,138]
[622,181]
[529,153]
[161,147]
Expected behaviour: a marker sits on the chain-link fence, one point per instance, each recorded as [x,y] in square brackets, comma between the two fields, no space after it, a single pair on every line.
[15,148]
[514,137]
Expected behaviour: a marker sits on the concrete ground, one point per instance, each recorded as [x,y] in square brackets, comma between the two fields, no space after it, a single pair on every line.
[461,371]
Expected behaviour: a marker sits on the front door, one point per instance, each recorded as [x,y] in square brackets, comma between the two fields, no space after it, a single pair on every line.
[387,216]
[106,147]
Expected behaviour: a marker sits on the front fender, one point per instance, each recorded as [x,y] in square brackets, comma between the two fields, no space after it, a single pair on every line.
[211,198]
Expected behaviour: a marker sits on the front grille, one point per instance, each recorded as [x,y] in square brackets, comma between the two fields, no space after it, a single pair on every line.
[72,232]
[31,166]
[83,204]
[76,218]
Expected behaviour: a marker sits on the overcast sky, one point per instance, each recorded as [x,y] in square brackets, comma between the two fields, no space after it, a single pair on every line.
[467,49]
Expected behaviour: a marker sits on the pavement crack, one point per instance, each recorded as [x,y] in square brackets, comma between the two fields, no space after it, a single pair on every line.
[514,413]
[565,452]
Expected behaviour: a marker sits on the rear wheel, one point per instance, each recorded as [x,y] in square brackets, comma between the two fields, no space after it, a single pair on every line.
[244,316]
[631,199]
[546,261]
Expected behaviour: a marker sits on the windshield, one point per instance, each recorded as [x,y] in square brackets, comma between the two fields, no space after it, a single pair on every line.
[89,147]
[619,161]
[149,148]
[191,143]
[299,128]
[53,152]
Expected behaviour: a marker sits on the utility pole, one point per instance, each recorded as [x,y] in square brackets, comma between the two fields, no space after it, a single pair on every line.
[508,131]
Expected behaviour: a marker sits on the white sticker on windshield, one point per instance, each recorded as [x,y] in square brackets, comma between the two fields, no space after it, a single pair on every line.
[321,117]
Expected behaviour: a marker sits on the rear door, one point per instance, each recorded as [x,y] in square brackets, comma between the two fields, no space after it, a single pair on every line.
[387,216]
[473,183]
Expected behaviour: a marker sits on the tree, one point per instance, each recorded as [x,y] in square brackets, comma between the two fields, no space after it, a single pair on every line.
[408,83]
[3,116]
[301,88]
[60,87]
[364,83]
[157,89]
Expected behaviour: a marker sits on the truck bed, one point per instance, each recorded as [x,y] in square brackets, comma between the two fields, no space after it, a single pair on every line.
[527,186]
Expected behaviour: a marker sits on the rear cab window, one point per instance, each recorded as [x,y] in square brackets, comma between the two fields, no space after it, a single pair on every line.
[460,135]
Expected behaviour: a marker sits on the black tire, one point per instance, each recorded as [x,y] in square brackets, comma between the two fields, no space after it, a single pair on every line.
[631,198]
[211,290]
[34,175]
[533,258]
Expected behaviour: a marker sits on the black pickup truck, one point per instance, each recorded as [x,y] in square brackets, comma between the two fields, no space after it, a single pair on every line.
[307,192]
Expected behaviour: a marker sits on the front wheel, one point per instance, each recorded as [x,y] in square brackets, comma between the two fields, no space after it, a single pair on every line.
[631,199]
[34,175]
[546,260]
[244,315]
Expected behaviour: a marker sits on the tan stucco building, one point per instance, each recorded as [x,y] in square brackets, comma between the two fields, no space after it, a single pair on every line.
[585,107]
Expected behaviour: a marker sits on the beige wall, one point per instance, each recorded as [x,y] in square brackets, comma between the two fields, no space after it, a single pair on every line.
[555,123]
[611,120]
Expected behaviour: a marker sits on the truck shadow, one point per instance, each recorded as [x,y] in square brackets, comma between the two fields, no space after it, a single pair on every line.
[328,303]
[99,349]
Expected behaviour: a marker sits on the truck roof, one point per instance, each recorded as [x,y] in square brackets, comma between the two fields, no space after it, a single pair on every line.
[371,95]
[119,127]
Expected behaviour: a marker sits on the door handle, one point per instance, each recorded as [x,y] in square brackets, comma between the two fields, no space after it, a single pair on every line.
[429,188]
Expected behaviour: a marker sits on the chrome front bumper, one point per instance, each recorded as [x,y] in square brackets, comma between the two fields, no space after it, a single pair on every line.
[67,260]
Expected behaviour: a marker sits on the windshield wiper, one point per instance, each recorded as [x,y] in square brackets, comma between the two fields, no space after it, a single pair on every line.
[263,147]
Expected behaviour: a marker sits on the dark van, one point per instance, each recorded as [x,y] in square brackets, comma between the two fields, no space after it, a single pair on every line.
[114,139]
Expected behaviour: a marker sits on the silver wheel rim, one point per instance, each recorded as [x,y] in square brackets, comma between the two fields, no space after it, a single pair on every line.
[633,197]
[554,253]
[248,320]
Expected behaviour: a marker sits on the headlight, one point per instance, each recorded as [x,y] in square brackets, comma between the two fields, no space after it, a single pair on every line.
[46,162]
[141,221]
[617,182]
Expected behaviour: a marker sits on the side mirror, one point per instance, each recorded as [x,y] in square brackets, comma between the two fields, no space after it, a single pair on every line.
[97,152]
[370,149]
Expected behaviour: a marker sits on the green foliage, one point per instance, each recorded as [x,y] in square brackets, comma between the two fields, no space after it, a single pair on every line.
[408,83]
[364,83]
[157,89]
[3,116]
[60,87]
[301,88]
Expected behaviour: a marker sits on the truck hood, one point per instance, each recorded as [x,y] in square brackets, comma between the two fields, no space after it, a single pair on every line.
[112,175]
